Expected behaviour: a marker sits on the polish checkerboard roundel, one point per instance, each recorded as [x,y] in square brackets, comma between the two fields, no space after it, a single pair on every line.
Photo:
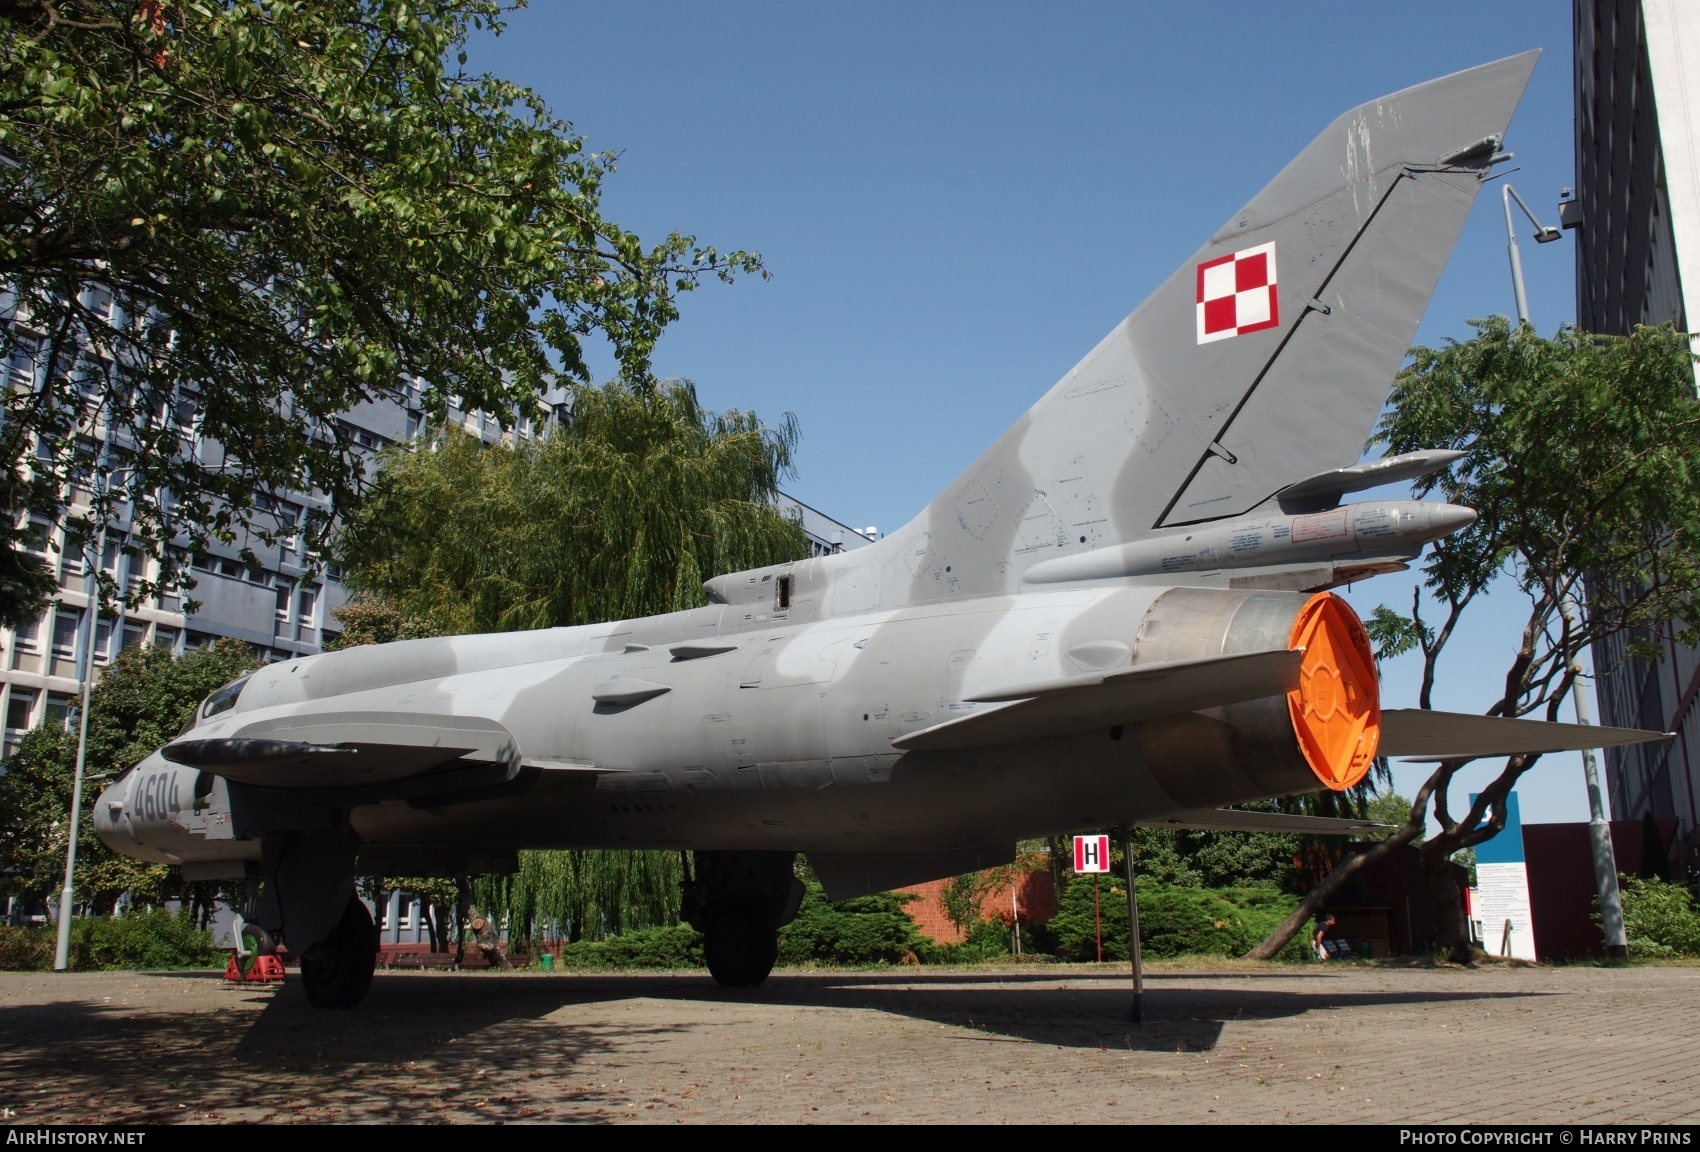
[1236,294]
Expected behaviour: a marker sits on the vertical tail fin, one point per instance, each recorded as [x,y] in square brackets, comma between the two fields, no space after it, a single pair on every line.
[1263,359]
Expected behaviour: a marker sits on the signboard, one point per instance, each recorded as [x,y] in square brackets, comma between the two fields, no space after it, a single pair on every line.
[1091,853]
[1502,889]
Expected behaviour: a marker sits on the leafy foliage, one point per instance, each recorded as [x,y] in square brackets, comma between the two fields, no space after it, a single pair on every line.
[674,946]
[1660,919]
[1186,858]
[140,703]
[584,895]
[1173,920]
[239,220]
[139,938]
[621,512]
[864,931]
[1581,459]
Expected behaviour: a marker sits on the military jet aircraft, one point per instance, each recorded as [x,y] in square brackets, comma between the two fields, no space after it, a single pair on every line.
[1120,613]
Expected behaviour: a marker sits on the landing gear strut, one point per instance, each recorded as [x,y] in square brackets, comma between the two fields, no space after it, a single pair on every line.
[337,971]
[739,901]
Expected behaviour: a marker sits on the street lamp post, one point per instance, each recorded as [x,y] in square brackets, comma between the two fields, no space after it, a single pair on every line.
[91,586]
[1599,830]
[91,591]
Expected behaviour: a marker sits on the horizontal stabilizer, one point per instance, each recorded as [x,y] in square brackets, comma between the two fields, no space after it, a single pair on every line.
[343,749]
[1231,820]
[1422,734]
[1104,700]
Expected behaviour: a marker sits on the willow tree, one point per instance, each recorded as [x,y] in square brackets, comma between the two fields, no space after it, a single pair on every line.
[237,221]
[621,509]
[1582,461]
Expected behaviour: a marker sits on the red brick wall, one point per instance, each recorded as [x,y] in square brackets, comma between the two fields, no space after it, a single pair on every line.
[1034,898]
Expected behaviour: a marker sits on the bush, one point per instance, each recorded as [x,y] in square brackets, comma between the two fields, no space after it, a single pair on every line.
[857,933]
[154,938]
[1659,918]
[137,939]
[676,946]
[26,948]
[1173,921]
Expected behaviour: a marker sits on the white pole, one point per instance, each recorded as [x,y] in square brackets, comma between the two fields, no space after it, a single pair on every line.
[1599,831]
[91,586]
[1015,910]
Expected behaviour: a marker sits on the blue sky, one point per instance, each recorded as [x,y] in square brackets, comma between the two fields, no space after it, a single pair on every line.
[957,201]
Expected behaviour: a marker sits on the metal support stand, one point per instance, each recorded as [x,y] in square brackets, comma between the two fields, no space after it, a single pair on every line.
[1136,1013]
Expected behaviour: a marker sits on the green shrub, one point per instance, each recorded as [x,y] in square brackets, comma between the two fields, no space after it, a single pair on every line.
[154,938]
[675,946]
[1173,921]
[1659,918]
[856,933]
[26,948]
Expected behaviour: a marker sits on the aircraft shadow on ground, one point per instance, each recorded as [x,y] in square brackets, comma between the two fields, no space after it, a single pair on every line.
[401,1057]
[423,1044]
[1039,1008]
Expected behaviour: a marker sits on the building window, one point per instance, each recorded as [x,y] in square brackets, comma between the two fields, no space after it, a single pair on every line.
[37,538]
[285,591]
[66,623]
[135,634]
[20,361]
[103,641]
[60,706]
[29,636]
[97,298]
[166,638]
[20,708]
[309,606]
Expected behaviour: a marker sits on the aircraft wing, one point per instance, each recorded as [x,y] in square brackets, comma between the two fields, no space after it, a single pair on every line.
[1103,700]
[334,750]
[1422,734]
[1233,820]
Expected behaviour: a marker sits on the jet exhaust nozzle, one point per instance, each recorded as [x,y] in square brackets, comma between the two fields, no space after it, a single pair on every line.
[1326,729]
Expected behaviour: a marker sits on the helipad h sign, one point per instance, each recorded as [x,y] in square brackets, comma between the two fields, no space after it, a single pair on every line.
[1091,853]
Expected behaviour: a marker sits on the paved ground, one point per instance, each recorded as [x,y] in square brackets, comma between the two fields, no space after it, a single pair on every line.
[1523,1045]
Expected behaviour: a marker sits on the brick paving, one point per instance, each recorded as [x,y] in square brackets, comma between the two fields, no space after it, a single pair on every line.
[1524,1045]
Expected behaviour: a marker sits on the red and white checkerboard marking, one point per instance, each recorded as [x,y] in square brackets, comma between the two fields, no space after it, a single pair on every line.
[1236,294]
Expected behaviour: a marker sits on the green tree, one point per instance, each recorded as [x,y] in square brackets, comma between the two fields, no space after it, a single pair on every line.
[621,511]
[236,221]
[574,895]
[858,932]
[1581,461]
[141,702]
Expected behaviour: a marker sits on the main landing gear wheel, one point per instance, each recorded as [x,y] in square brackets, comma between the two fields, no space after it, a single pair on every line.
[741,947]
[338,972]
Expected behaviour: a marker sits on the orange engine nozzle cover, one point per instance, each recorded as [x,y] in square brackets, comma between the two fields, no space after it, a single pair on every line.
[1336,708]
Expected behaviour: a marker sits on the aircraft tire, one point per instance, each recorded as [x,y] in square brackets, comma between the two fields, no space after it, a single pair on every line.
[741,947]
[257,942]
[341,974]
